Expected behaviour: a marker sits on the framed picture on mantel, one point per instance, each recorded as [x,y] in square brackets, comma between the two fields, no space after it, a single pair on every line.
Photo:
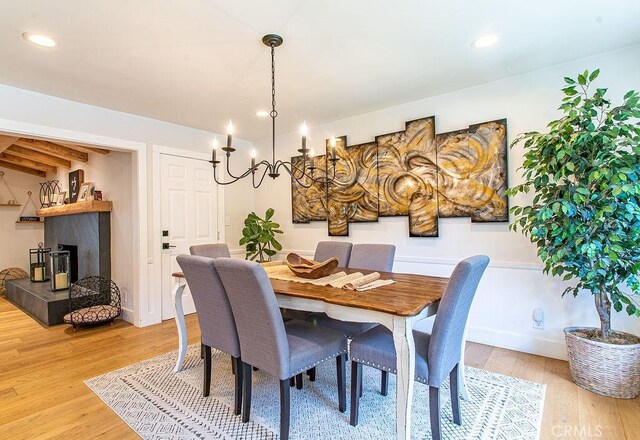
[76,179]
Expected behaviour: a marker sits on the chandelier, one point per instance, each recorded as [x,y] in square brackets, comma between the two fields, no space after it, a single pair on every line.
[304,174]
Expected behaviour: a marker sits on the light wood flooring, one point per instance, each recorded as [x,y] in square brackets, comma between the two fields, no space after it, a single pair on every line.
[42,394]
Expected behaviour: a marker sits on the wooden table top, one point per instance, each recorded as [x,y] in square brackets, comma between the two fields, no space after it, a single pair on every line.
[408,296]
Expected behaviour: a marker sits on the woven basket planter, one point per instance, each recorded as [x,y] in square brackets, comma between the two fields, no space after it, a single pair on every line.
[607,369]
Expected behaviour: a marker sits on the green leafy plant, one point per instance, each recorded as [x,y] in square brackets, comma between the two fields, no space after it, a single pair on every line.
[585,215]
[259,236]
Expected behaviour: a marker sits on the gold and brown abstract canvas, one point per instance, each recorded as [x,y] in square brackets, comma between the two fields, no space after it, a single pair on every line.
[413,173]
[472,172]
[353,194]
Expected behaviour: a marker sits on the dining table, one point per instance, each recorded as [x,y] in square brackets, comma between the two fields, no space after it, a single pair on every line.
[398,307]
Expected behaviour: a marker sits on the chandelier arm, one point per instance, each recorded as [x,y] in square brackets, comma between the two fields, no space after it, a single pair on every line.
[253,178]
[215,178]
[242,176]
[292,169]
[291,172]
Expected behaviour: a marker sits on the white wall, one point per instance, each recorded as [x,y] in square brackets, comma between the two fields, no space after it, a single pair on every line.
[35,113]
[514,284]
[17,239]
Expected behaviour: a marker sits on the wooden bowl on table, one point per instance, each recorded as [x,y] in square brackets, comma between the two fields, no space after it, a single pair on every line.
[310,269]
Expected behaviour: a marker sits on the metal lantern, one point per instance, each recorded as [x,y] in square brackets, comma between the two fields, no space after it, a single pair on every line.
[39,264]
[60,265]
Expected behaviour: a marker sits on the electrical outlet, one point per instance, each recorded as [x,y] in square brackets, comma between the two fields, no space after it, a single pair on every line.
[125,296]
[538,319]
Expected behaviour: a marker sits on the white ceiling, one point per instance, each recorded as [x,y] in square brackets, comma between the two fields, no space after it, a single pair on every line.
[200,62]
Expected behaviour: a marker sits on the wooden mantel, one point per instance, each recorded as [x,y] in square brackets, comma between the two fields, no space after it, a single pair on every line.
[76,208]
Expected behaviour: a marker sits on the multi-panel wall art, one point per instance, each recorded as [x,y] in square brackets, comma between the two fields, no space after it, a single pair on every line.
[413,173]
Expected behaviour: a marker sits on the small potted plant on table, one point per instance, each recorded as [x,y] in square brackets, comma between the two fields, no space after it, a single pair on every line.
[585,222]
[259,237]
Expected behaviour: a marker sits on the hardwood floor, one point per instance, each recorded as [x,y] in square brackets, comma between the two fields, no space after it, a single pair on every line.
[42,394]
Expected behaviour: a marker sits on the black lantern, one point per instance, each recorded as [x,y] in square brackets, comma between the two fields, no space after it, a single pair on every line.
[60,265]
[39,264]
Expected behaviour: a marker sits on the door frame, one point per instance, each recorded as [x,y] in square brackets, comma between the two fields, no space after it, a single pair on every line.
[139,315]
[156,228]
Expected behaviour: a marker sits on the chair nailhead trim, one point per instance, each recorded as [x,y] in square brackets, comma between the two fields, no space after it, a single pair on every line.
[319,362]
[380,367]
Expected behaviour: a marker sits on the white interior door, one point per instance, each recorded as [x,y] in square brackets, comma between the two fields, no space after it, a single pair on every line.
[188,215]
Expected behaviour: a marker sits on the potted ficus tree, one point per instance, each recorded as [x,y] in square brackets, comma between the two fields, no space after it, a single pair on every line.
[259,236]
[585,221]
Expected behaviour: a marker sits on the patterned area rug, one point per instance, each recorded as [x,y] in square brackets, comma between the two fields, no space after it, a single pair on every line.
[159,404]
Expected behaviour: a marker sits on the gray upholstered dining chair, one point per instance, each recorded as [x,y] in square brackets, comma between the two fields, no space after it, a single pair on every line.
[283,350]
[329,249]
[215,317]
[437,354]
[377,257]
[213,250]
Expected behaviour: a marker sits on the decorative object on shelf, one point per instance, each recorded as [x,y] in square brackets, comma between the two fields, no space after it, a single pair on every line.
[310,269]
[39,263]
[60,269]
[12,199]
[29,218]
[76,179]
[97,195]
[93,300]
[49,193]
[585,222]
[86,192]
[11,273]
[298,171]
[61,198]
[259,236]
[413,173]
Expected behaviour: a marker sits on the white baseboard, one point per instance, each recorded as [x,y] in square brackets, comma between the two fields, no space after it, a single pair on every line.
[518,342]
[128,315]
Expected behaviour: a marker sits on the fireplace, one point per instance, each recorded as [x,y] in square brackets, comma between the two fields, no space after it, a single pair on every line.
[87,238]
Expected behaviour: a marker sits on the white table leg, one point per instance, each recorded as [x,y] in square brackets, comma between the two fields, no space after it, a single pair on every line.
[180,323]
[462,378]
[406,358]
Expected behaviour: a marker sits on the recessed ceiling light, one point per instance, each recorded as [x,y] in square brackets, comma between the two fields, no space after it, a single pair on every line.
[40,40]
[485,41]
[262,113]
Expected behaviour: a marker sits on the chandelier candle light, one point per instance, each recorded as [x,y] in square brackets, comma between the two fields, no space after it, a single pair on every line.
[304,174]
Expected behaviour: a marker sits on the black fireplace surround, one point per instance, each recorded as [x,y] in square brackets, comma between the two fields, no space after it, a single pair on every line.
[87,236]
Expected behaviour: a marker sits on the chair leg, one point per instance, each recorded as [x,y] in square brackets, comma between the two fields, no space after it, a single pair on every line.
[233,365]
[207,370]
[434,412]
[292,382]
[201,350]
[237,363]
[384,383]
[356,382]
[312,374]
[299,381]
[246,392]
[342,388]
[455,395]
[361,386]
[285,406]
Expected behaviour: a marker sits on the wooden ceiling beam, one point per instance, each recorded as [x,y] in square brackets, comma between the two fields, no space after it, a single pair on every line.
[6,142]
[23,169]
[28,163]
[53,149]
[27,153]
[85,148]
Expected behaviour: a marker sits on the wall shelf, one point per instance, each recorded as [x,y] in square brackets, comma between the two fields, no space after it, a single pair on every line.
[7,204]
[76,208]
[25,223]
